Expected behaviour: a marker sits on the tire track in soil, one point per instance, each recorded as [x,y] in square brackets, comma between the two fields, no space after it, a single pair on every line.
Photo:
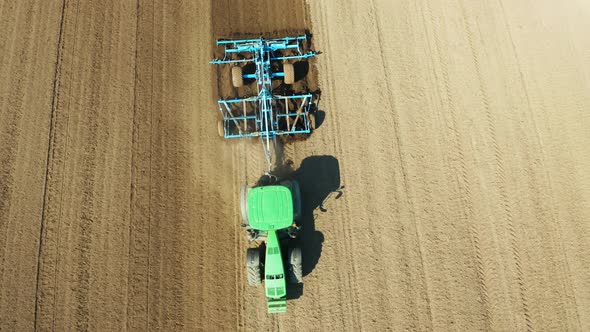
[332,305]
[49,258]
[499,171]
[340,303]
[432,42]
[363,315]
[8,158]
[55,96]
[62,181]
[395,120]
[79,200]
[457,162]
[483,276]
[27,70]
[343,293]
[346,308]
[536,114]
[141,173]
[93,164]
[512,231]
[211,202]
[238,234]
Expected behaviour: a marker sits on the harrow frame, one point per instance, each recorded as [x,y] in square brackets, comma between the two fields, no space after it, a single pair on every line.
[265,115]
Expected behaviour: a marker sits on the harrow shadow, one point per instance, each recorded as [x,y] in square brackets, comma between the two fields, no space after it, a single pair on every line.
[320,115]
[249,68]
[301,69]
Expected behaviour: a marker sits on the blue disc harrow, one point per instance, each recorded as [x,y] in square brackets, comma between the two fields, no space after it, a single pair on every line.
[265,114]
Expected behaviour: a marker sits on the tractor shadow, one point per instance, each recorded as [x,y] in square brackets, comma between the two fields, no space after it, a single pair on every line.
[319,181]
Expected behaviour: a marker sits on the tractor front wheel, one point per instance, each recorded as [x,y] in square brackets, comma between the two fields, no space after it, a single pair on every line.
[253,266]
[295,266]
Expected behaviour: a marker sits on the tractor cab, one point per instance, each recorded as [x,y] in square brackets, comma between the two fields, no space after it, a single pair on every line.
[270,208]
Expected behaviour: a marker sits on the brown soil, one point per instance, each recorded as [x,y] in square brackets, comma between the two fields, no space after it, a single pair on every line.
[446,188]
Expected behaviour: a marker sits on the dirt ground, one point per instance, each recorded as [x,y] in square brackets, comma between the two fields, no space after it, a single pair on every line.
[445,189]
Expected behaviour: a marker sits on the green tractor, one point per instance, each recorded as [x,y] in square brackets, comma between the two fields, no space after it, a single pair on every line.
[270,214]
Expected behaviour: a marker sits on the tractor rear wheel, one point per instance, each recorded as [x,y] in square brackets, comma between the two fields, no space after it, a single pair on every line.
[253,266]
[289,71]
[295,266]
[244,205]
[236,77]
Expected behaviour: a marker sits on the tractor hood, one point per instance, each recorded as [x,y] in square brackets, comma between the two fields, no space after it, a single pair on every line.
[274,279]
[270,208]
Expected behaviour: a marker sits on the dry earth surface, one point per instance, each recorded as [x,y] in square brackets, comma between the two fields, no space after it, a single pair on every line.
[447,187]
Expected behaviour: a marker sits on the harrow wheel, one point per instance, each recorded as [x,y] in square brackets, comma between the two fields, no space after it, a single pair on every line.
[220,130]
[289,73]
[311,121]
[236,77]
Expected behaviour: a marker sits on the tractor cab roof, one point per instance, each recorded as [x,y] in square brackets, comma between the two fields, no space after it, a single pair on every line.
[270,208]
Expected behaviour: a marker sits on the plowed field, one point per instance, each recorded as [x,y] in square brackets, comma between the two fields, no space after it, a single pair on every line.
[446,188]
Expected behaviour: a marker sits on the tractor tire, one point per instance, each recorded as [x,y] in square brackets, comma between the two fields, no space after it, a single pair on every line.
[253,266]
[296,193]
[289,71]
[244,205]
[220,129]
[295,266]
[236,77]
[311,117]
